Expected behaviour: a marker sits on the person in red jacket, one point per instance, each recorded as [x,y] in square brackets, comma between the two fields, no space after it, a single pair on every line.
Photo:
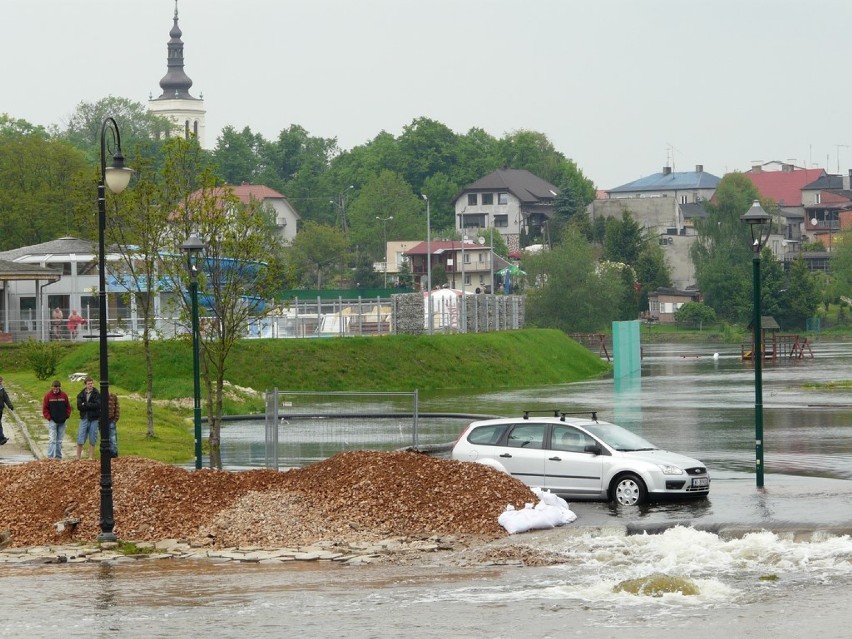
[56,409]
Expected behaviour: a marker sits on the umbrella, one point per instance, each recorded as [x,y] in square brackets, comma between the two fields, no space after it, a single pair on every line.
[510,270]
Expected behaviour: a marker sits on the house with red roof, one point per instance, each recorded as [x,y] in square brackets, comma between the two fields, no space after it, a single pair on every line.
[469,266]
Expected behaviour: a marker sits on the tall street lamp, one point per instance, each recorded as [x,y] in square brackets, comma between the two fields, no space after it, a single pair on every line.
[384,221]
[760,224]
[116,177]
[428,263]
[193,246]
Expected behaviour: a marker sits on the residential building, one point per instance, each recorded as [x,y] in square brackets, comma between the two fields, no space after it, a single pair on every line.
[513,202]
[665,302]
[684,186]
[828,207]
[666,205]
[783,183]
[469,266]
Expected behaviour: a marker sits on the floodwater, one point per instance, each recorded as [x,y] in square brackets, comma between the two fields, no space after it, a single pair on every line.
[790,580]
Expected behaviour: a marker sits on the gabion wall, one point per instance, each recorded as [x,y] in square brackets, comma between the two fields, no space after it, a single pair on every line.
[478,314]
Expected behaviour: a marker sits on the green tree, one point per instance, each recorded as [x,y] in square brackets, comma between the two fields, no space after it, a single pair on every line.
[238,155]
[43,180]
[695,313]
[566,290]
[722,253]
[140,130]
[801,297]
[315,249]
[382,197]
[623,241]
[652,271]
[240,272]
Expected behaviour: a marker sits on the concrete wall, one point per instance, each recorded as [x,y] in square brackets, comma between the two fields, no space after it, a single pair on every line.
[478,314]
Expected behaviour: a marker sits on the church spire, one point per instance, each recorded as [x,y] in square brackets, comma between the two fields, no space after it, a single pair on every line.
[175,83]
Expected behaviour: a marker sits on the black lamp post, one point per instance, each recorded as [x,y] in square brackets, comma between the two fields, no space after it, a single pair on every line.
[116,177]
[193,246]
[760,223]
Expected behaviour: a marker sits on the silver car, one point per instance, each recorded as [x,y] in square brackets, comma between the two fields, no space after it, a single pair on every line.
[582,458]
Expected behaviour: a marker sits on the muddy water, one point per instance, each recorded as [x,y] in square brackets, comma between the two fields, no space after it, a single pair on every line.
[763,584]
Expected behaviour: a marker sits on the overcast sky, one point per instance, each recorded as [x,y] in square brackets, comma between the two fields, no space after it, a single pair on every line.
[622,87]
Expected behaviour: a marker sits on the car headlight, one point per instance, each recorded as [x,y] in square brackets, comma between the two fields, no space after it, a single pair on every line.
[668,469]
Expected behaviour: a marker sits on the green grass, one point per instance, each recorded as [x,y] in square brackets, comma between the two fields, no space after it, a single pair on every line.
[470,362]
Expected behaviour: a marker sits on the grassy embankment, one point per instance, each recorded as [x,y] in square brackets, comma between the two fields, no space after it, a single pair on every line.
[513,359]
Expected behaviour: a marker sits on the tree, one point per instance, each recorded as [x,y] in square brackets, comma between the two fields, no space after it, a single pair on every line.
[652,271]
[695,313]
[240,272]
[801,298]
[139,230]
[385,196]
[238,155]
[567,291]
[316,248]
[43,180]
[623,240]
[722,253]
[140,130]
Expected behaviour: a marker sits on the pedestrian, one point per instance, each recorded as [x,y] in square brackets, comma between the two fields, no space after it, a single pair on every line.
[114,413]
[56,323]
[89,405]
[75,321]
[56,409]
[4,401]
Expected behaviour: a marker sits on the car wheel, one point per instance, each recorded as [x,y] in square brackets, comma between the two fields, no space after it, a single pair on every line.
[629,490]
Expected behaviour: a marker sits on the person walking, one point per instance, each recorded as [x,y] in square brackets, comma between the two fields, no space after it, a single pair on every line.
[75,321]
[56,409]
[114,413]
[89,405]
[56,320]
[4,401]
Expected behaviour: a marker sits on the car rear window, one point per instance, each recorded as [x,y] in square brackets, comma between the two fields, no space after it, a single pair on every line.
[487,435]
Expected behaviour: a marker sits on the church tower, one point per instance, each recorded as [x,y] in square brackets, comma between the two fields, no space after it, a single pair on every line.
[176,103]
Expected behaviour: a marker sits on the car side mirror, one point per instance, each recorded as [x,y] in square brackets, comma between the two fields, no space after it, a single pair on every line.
[593,448]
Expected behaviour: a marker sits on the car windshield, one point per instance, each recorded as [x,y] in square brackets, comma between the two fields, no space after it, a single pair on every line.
[619,438]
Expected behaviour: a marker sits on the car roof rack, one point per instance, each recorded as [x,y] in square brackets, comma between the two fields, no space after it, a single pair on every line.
[561,414]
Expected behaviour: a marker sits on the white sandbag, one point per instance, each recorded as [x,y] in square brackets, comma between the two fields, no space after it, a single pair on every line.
[544,515]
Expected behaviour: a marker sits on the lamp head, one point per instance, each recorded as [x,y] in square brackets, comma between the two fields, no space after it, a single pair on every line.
[760,224]
[117,176]
[193,245]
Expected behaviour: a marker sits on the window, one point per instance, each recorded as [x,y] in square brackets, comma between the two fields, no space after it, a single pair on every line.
[487,435]
[467,279]
[467,258]
[473,221]
[569,439]
[471,199]
[487,199]
[501,221]
[502,198]
[481,257]
[526,436]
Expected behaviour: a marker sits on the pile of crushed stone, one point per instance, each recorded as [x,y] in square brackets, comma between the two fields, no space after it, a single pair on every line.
[351,497]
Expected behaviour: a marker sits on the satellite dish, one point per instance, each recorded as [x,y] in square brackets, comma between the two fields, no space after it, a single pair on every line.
[813,221]
[481,240]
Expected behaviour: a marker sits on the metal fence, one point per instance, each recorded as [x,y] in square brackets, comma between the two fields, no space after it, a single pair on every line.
[298,318]
[306,426]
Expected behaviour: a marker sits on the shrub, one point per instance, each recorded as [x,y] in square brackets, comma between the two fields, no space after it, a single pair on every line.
[43,357]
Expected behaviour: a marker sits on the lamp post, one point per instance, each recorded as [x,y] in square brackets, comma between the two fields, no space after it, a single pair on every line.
[428,263]
[760,224]
[340,204]
[193,246]
[116,177]
[384,221]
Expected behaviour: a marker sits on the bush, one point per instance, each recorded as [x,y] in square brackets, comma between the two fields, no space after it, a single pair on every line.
[43,357]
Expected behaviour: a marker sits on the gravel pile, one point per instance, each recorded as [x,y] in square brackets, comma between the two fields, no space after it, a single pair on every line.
[351,497]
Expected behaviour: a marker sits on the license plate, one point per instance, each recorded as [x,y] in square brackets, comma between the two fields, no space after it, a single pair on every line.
[700,482]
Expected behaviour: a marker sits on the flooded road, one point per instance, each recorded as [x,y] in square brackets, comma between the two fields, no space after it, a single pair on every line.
[791,580]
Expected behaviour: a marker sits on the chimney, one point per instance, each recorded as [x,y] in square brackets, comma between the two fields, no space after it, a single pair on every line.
[756,166]
[786,168]
[667,170]
[847,179]
[699,168]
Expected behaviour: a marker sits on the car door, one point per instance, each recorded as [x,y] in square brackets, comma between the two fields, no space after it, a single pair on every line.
[523,452]
[568,467]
